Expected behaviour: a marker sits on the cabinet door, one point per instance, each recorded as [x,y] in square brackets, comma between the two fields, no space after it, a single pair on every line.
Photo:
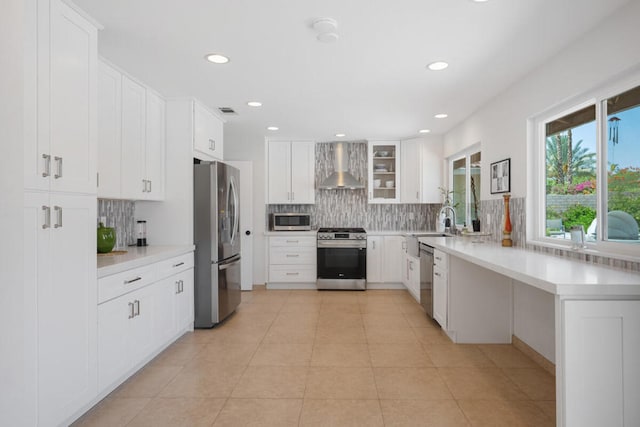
[155,147]
[208,133]
[384,179]
[109,131]
[440,285]
[184,301]
[279,179]
[392,266]
[374,259]
[133,139]
[114,360]
[410,171]
[164,315]
[413,268]
[67,310]
[431,175]
[141,338]
[303,170]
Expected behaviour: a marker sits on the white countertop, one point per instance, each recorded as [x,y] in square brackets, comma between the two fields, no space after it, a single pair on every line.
[559,276]
[109,264]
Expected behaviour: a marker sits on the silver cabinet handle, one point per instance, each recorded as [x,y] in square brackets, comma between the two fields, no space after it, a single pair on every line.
[178,264]
[47,217]
[177,287]
[149,181]
[132,313]
[411,265]
[181,286]
[437,274]
[292,274]
[417,195]
[58,223]
[58,161]
[212,145]
[293,255]
[47,165]
[126,282]
[137,305]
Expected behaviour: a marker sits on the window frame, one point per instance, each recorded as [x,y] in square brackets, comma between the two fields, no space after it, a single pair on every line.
[466,154]
[536,176]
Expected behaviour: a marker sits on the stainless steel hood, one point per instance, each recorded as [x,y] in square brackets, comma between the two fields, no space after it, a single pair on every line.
[340,178]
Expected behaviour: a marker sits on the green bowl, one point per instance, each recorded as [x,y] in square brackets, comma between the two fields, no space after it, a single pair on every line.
[106,239]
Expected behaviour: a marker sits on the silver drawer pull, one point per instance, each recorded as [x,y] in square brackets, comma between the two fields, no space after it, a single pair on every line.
[47,217]
[58,223]
[126,282]
[212,145]
[178,286]
[292,274]
[132,314]
[137,304]
[293,255]
[58,160]
[178,264]
[47,165]
[437,274]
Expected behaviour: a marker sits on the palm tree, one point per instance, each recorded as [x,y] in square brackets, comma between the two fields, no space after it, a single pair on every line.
[567,161]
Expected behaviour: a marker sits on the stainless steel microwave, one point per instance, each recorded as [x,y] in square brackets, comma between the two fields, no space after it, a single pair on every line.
[289,221]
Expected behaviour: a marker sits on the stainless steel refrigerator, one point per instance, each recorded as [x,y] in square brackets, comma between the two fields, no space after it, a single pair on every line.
[216,219]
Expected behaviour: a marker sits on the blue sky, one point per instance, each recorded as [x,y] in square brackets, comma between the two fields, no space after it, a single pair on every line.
[627,151]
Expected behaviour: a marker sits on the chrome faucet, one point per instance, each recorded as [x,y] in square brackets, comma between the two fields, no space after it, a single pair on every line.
[452,227]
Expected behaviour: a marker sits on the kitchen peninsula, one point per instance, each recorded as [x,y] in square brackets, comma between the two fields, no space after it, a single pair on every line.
[597,310]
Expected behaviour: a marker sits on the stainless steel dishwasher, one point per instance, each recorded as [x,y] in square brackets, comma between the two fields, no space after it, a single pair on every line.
[426,278]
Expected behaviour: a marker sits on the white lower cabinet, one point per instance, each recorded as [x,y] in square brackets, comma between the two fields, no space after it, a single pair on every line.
[440,287]
[384,259]
[292,259]
[155,307]
[411,276]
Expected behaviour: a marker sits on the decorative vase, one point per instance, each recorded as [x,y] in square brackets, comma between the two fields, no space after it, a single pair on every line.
[106,239]
[475,223]
[506,230]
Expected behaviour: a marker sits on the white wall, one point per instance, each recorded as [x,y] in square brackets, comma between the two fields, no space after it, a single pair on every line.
[252,149]
[608,50]
[15,407]
[598,56]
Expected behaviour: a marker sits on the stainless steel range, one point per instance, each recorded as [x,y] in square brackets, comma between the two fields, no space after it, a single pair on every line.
[342,258]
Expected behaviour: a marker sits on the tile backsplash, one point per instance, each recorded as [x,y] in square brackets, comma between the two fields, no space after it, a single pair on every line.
[120,214]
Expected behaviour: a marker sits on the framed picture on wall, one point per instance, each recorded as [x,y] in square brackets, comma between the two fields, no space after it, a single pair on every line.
[501,176]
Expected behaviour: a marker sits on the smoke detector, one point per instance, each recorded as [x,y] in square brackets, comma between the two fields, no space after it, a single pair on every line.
[326,29]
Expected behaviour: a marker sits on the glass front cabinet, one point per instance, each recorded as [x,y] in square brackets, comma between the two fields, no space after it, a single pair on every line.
[383,172]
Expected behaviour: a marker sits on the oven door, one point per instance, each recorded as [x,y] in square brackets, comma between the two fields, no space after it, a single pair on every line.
[341,265]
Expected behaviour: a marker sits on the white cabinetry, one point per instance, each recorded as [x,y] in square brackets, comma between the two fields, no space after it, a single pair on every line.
[59,226]
[208,134]
[384,259]
[440,287]
[291,172]
[140,312]
[292,259]
[421,171]
[60,95]
[384,179]
[131,138]
[411,276]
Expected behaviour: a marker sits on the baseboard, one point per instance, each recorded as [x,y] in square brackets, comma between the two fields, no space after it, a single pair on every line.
[290,286]
[376,286]
[540,360]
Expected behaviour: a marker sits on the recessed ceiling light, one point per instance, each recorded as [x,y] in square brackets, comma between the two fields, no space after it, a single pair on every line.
[437,66]
[441,116]
[341,135]
[217,58]
[254,104]
[272,128]
[424,131]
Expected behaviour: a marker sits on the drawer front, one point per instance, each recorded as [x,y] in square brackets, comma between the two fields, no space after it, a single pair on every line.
[292,241]
[440,259]
[299,273]
[175,265]
[118,284]
[302,255]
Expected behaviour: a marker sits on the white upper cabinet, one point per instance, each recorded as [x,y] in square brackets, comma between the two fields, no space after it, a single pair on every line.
[383,170]
[60,94]
[208,141]
[291,172]
[421,170]
[131,138]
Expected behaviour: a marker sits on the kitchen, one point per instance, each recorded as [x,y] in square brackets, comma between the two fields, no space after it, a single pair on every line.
[498,123]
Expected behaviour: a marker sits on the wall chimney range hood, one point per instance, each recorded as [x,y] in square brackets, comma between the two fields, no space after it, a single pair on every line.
[340,178]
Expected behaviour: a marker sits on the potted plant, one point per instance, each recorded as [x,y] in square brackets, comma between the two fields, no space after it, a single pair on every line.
[475,222]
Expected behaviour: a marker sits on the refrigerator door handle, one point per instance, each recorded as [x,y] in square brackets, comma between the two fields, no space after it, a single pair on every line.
[228,265]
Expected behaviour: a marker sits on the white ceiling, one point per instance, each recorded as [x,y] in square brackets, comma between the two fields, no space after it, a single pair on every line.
[371,83]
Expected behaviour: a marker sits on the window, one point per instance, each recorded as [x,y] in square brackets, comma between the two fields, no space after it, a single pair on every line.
[465,184]
[589,158]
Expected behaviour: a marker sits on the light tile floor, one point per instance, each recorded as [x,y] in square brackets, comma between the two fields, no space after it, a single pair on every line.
[306,358]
